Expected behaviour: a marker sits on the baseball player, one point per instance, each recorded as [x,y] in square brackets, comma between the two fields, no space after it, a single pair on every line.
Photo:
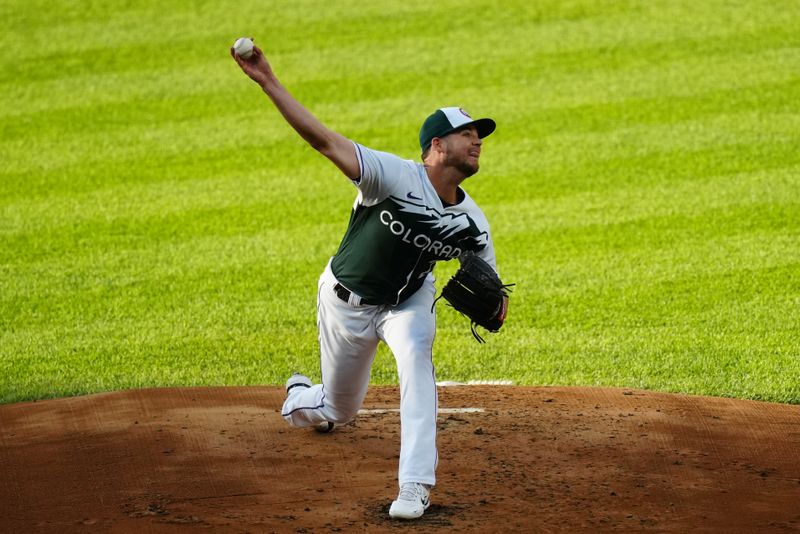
[378,286]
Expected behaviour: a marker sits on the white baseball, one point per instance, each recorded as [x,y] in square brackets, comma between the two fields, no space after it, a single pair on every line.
[243,47]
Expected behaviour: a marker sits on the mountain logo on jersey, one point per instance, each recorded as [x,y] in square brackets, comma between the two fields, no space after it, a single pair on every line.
[443,234]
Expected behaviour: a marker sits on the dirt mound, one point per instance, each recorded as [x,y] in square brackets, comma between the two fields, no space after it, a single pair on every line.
[511,459]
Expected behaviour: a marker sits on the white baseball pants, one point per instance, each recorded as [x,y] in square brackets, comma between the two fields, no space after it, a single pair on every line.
[348,338]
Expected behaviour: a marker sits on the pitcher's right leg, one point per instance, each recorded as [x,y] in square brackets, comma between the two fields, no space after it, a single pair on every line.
[347,343]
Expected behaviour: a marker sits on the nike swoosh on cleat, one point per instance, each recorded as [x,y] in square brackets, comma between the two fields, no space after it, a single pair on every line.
[411,196]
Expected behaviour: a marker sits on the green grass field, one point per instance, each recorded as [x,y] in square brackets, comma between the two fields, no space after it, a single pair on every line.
[161,225]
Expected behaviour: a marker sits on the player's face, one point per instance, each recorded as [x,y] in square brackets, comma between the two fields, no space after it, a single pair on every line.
[463,150]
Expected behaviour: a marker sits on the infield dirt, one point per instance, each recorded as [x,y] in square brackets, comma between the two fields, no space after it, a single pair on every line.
[535,459]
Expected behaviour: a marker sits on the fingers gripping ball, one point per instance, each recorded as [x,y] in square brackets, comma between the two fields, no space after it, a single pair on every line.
[477,292]
[243,47]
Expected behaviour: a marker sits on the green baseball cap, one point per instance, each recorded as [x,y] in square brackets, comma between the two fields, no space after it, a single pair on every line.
[444,121]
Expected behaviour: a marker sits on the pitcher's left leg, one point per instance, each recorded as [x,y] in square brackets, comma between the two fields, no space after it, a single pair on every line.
[409,330]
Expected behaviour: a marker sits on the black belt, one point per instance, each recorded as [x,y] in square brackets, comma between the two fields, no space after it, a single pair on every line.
[344,294]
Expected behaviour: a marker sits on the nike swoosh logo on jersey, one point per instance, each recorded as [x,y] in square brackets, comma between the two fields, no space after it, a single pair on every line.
[411,196]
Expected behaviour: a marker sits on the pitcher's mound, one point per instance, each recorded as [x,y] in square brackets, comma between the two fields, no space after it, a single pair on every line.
[511,459]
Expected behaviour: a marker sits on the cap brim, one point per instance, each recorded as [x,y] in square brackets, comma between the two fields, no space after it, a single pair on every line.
[483,126]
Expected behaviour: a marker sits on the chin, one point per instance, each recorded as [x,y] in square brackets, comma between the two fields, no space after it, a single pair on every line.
[468,170]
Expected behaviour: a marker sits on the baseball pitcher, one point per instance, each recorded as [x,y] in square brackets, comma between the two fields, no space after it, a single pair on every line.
[379,285]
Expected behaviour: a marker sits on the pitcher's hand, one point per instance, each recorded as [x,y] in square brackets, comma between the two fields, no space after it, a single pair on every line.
[256,66]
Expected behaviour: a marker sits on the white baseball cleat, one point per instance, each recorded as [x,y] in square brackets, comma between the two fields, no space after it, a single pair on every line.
[412,502]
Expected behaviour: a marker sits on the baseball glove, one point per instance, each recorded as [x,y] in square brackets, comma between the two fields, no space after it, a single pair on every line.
[476,291]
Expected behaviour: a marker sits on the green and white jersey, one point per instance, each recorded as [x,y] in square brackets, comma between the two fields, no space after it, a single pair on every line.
[399,229]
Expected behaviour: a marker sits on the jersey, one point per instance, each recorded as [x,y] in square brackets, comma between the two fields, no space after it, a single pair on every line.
[399,228]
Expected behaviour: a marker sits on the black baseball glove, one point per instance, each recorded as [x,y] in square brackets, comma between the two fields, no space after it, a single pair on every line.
[476,291]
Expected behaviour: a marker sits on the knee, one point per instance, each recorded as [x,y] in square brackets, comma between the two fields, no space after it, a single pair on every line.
[341,416]
[341,410]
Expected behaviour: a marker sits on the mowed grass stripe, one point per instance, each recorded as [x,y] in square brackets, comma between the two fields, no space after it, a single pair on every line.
[126,256]
[627,203]
[593,289]
[144,226]
[652,246]
[340,61]
[655,264]
[276,192]
[123,298]
[665,358]
[285,155]
[30,154]
[554,26]
[147,210]
[721,129]
[549,81]
[136,116]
